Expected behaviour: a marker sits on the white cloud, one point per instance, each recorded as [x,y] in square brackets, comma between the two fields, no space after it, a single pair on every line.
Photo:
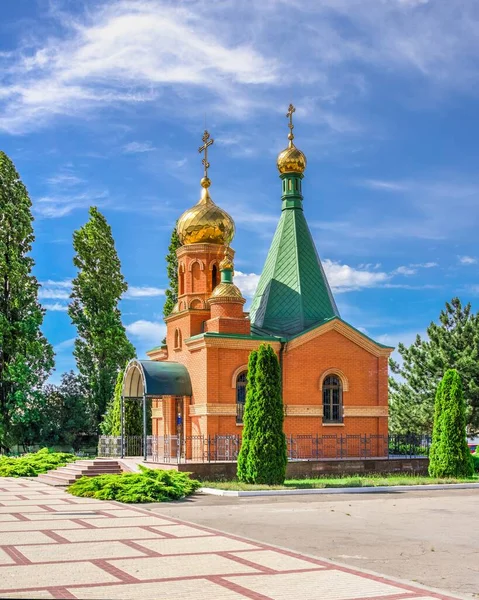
[427,265]
[126,53]
[56,307]
[404,271]
[56,206]
[64,180]
[65,345]
[247,283]
[53,294]
[147,332]
[135,52]
[138,147]
[64,283]
[343,278]
[467,260]
[388,186]
[142,292]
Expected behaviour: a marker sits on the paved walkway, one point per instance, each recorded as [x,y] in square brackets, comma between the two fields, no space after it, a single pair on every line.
[53,545]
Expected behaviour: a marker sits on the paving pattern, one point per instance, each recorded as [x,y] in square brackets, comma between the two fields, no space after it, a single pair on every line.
[53,545]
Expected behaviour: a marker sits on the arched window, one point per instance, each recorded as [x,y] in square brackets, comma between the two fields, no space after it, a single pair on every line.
[214,277]
[177,338]
[181,281]
[332,400]
[240,396]
[195,277]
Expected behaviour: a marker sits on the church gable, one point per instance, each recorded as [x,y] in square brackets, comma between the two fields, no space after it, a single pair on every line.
[344,330]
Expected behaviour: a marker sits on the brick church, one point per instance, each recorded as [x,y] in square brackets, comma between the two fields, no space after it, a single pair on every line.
[334,378]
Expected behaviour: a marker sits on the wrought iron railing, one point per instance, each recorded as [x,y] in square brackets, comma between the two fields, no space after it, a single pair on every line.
[216,448]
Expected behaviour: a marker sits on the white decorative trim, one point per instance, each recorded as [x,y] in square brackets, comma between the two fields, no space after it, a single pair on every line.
[366,411]
[236,373]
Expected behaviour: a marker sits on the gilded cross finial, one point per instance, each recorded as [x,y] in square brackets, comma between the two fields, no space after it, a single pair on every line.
[289,114]
[207,141]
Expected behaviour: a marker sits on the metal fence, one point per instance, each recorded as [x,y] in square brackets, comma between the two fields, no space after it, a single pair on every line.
[202,449]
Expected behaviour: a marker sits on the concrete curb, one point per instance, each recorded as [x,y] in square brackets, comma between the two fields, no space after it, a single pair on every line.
[389,489]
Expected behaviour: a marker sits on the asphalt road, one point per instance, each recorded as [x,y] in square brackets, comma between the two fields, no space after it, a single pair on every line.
[426,537]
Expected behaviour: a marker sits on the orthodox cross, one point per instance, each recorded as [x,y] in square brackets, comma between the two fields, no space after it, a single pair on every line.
[207,142]
[289,114]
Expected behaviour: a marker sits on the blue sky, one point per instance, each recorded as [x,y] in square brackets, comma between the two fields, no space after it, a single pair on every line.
[105,103]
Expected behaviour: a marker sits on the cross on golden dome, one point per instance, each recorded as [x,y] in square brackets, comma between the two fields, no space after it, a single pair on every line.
[204,148]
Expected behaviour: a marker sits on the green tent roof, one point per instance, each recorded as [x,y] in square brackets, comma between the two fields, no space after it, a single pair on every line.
[154,379]
[293,293]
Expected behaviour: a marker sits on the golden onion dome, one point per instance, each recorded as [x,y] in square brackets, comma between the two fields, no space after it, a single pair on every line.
[227,290]
[205,223]
[291,160]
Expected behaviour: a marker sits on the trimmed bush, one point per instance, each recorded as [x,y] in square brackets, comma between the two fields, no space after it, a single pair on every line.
[475,461]
[450,455]
[248,420]
[31,465]
[266,460]
[151,485]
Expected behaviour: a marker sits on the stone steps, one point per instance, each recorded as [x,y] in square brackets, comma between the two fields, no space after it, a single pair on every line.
[67,475]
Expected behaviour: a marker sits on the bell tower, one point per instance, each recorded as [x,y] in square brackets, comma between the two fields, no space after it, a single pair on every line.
[205,232]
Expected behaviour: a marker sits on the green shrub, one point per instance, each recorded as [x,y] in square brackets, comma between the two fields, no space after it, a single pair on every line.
[151,485]
[31,465]
[475,460]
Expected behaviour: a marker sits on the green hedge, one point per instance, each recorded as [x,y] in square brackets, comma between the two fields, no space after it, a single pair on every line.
[475,458]
[31,465]
[151,485]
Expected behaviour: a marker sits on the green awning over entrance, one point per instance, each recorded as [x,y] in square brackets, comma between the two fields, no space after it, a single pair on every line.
[153,379]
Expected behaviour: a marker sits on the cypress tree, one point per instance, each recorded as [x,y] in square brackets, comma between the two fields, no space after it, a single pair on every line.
[26,357]
[452,458]
[101,346]
[171,292]
[248,419]
[111,424]
[436,431]
[267,459]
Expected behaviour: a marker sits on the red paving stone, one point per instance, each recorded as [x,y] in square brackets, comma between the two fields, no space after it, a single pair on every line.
[145,561]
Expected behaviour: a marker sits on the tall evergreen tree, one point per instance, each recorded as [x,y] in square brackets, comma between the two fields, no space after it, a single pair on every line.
[450,455]
[436,430]
[26,358]
[101,347]
[267,459]
[451,343]
[171,292]
[249,421]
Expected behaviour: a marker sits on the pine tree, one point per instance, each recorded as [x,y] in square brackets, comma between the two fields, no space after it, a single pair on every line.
[451,343]
[267,459]
[171,292]
[249,423]
[101,346]
[451,457]
[26,358]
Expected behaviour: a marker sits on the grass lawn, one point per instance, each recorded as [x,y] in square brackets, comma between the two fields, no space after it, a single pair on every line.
[340,482]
